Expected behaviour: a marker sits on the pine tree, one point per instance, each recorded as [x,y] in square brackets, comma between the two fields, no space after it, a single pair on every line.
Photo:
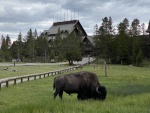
[42,48]
[3,49]
[122,43]
[30,46]
[104,39]
[6,43]
[20,46]
[136,40]
[72,48]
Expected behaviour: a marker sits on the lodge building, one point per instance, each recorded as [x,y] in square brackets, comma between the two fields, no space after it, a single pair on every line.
[69,27]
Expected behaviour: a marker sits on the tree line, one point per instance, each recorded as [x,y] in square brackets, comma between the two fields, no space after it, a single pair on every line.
[34,48]
[123,45]
[127,46]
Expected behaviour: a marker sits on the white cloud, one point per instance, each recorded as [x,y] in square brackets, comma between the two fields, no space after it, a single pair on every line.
[21,15]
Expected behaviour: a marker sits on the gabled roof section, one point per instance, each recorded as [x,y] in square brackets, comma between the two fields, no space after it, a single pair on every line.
[90,38]
[148,29]
[65,26]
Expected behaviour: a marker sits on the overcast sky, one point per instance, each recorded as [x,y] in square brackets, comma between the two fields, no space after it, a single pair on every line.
[21,15]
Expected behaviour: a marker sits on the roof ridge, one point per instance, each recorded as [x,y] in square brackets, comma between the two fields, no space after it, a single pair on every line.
[65,22]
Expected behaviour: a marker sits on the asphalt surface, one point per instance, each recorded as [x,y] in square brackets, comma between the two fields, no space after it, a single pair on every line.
[84,60]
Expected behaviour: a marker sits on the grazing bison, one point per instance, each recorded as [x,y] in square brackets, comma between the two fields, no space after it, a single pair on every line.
[84,83]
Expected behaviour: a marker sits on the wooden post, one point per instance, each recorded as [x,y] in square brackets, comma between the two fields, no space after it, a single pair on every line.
[7,83]
[28,78]
[14,81]
[21,80]
[0,86]
[34,77]
[14,63]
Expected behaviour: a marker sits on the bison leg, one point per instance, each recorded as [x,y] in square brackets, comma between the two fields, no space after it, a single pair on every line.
[60,94]
[78,97]
[55,94]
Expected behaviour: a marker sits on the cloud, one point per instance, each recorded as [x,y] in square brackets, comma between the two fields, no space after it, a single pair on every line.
[21,15]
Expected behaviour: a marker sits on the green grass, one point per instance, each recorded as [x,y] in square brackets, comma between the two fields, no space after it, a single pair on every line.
[24,70]
[128,92]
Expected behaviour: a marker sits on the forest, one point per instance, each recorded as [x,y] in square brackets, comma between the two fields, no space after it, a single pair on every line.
[121,44]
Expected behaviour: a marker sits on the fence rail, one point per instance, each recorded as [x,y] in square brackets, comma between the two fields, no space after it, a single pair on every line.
[14,80]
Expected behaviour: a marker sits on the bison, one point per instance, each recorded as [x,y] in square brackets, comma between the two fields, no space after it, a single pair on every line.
[84,83]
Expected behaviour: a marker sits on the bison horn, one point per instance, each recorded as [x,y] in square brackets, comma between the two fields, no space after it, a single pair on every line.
[97,91]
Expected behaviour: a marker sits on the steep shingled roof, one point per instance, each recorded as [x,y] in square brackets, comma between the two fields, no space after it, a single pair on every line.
[90,38]
[64,26]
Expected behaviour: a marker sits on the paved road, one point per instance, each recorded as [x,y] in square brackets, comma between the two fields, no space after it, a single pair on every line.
[84,60]
[30,64]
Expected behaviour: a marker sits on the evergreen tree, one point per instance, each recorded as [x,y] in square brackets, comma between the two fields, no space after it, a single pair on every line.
[122,43]
[103,41]
[20,46]
[14,50]
[30,46]
[42,48]
[3,48]
[135,27]
[17,48]
[136,39]
[6,43]
[72,48]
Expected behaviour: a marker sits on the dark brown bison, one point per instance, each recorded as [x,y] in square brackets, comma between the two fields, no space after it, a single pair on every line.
[84,83]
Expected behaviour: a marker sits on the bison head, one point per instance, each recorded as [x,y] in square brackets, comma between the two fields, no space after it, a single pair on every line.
[101,92]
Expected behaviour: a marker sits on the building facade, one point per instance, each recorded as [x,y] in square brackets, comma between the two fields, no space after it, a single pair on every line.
[68,27]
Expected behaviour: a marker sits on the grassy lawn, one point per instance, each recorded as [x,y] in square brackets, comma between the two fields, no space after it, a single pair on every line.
[128,92]
[24,70]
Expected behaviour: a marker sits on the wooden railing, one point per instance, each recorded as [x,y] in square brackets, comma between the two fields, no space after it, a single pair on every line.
[19,79]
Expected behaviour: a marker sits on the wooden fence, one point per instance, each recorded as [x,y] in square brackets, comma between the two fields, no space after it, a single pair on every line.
[14,80]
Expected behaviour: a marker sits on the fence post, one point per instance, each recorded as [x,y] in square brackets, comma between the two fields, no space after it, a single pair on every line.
[15,81]
[21,80]
[7,83]
[34,77]
[0,86]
